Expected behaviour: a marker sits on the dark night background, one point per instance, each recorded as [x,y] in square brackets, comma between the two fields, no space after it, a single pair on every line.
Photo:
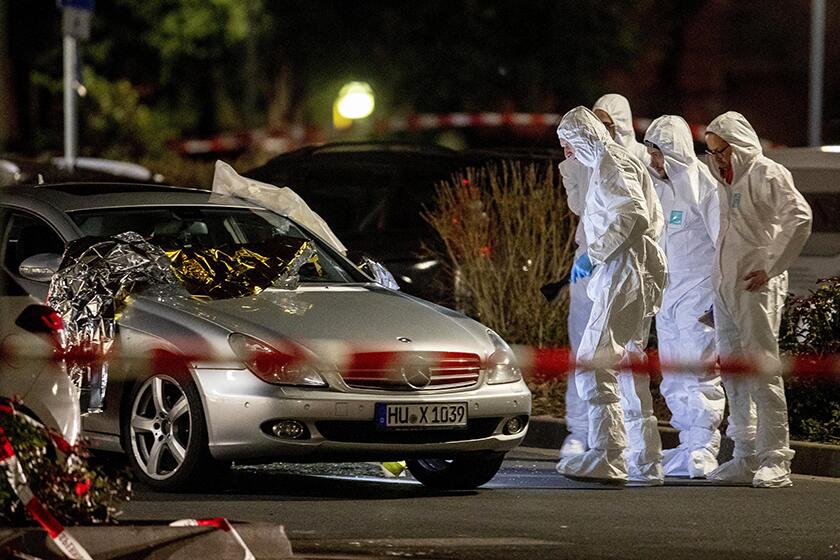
[159,70]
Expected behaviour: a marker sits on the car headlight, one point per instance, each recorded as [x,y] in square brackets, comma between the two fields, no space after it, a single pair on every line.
[501,366]
[273,366]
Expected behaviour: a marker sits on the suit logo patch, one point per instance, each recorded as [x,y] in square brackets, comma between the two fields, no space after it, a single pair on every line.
[676,217]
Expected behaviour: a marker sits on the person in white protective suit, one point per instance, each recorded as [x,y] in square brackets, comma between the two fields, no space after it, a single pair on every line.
[691,207]
[764,224]
[614,111]
[623,220]
[576,182]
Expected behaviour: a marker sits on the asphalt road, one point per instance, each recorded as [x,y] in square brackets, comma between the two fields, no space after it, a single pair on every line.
[527,511]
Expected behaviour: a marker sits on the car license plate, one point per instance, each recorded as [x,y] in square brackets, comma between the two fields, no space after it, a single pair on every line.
[438,415]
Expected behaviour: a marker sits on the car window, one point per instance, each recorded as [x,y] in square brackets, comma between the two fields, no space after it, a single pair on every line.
[350,200]
[208,227]
[24,236]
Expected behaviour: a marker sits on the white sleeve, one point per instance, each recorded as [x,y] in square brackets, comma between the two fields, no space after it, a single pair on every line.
[710,212]
[575,177]
[621,194]
[795,221]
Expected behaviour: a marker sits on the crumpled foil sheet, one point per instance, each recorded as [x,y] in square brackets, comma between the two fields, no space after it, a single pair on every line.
[242,270]
[91,287]
[378,272]
[97,276]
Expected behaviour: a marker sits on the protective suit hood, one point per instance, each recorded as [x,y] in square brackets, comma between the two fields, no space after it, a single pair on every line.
[618,108]
[672,136]
[736,130]
[585,133]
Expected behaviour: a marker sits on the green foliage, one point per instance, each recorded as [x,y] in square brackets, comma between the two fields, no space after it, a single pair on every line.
[118,122]
[73,490]
[200,66]
[811,327]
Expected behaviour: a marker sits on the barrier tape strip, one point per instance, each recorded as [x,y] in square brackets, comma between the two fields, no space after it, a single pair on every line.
[221,524]
[68,545]
[288,137]
[376,361]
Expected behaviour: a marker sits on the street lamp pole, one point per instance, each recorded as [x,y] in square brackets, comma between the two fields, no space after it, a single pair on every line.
[75,23]
[71,131]
[816,74]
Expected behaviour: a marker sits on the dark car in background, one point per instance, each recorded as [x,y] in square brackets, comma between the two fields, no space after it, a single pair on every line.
[372,195]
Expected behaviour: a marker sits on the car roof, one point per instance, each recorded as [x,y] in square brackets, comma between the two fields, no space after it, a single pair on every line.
[70,197]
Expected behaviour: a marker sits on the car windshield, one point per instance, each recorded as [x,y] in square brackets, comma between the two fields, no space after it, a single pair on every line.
[209,227]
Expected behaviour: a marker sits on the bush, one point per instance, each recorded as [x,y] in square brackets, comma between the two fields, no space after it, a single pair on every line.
[507,231]
[73,490]
[811,327]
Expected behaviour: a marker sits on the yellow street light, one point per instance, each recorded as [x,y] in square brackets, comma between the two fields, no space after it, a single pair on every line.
[355,101]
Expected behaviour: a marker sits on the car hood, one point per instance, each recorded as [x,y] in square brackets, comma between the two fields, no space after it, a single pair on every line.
[363,316]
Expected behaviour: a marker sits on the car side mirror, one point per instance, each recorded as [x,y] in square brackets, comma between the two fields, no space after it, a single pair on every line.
[40,267]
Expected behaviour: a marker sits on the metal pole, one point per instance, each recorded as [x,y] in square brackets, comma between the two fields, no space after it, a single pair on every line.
[70,120]
[816,75]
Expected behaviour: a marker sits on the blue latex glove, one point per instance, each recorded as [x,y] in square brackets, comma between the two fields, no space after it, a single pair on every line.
[581,269]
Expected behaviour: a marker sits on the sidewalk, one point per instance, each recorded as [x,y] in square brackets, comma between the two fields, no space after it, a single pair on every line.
[815,459]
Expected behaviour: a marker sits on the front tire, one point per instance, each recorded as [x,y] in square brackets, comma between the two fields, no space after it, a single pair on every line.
[460,473]
[165,433]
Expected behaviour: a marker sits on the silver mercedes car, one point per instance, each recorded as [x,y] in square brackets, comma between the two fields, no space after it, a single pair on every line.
[377,375]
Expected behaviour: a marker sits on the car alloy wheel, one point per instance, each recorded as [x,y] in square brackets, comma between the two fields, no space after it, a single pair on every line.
[161,426]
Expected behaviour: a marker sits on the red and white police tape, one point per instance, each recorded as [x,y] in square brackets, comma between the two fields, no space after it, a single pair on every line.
[221,524]
[365,361]
[282,139]
[68,545]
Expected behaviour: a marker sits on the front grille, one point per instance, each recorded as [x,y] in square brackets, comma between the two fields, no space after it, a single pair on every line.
[412,371]
[367,432]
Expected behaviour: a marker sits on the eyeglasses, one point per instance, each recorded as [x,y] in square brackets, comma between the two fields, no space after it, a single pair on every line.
[720,152]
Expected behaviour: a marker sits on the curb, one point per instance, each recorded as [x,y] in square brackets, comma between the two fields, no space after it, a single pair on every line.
[815,459]
[156,542]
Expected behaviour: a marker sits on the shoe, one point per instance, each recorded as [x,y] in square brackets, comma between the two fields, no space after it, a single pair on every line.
[739,470]
[572,445]
[773,474]
[701,462]
[675,462]
[596,465]
[645,475]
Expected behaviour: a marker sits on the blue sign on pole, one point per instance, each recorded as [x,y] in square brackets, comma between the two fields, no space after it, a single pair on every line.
[86,5]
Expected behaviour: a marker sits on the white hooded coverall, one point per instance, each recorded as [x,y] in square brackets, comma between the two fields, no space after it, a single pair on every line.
[691,209]
[618,108]
[576,182]
[622,220]
[765,222]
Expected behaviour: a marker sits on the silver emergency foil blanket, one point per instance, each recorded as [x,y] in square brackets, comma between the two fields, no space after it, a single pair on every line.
[91,287]
[97,276]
